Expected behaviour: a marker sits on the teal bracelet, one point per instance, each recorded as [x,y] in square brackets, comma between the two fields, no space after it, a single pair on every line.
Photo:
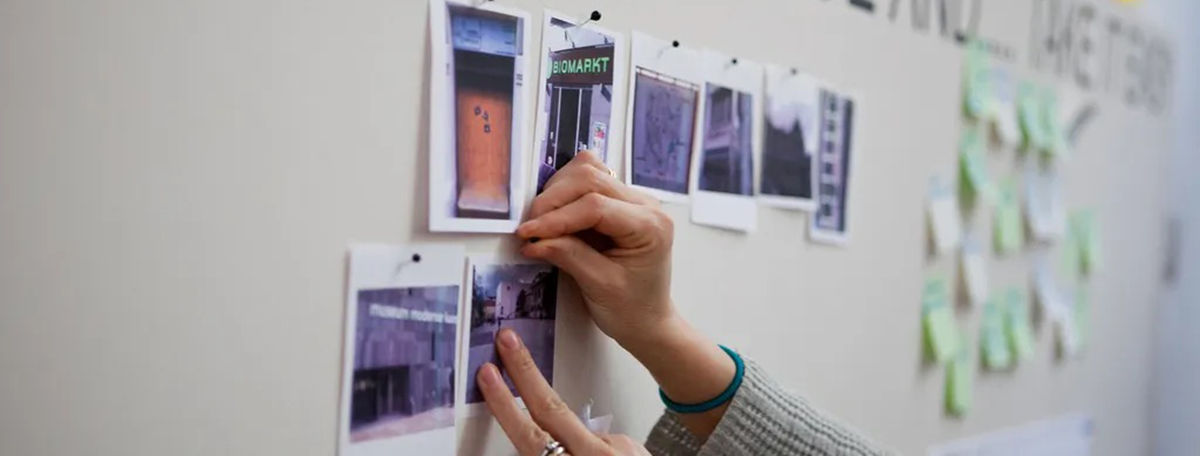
[715,402]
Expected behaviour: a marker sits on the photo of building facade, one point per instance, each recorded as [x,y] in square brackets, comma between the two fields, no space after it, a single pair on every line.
[789,134]
[577,95]
[404,361]
[833,161]
[664,120]
[523,297]
[486,76]
[726,163]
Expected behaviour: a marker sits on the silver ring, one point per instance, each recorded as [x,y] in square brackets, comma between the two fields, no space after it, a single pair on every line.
[553,448]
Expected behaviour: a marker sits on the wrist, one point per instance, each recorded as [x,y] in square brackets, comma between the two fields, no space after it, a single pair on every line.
[688,367]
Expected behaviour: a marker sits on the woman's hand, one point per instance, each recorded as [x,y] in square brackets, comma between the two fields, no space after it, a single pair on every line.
[551,419]
[624,274]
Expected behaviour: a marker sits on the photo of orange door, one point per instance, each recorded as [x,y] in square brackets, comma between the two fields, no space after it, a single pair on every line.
[483,114]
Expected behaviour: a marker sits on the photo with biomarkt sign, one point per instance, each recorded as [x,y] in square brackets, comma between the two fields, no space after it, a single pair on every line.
[486,47]
[577,95]
[403,371]
[522,297]
[833,164]
[664,119]
[726,164]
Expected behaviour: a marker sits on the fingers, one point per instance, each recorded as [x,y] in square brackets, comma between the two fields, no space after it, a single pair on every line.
[525,435]
[547,408]
[574,256]
[581,176]
[626,223]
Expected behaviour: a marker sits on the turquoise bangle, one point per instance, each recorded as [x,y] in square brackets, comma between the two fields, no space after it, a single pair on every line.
[715,402]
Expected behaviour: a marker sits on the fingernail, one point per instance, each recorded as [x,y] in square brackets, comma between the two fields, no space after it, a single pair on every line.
[524,228]
[488,375]
[508,339]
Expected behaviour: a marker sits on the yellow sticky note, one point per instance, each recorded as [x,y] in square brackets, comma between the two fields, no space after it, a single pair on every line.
[959,388]
[993,343]
[1009,232]
[1020,335]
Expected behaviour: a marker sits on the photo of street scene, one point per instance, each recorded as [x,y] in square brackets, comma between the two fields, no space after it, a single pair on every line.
[404,346]
[790,135]
[522,297]
[726,158]
[664,120]
[576,102]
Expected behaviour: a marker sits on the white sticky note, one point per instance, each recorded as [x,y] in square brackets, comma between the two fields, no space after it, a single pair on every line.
[1045,213]
[974,270]
[944,219]
[1049,296]
[1002,111]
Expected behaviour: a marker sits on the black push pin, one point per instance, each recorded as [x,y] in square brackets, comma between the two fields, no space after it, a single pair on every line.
[675,43]
[795,71]
[733,61]
[595,16]
[416,258]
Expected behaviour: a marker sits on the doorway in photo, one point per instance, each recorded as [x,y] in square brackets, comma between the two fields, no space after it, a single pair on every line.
[726,163]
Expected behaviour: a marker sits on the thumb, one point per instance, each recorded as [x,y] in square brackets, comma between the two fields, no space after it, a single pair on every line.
[574,256]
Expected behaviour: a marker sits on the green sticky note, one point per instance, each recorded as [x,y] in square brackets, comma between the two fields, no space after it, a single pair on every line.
[973,164]
[1070,262]
[940,331]
[1054,139]
[1087,236]
[993,342]
[1008,230]
[1020,335]
[1083,316]
[959,388]
[1029,117]
[976,87]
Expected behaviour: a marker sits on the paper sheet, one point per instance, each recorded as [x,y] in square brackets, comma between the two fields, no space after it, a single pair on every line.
[973,268]
[945,222]
[730,136]
[477,116]
[402,311]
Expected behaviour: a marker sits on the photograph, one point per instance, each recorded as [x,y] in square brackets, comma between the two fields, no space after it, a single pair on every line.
[789,138]
[519,296]
[582,69]
[404,344]
[834,162]
[400,350]
[723,184]
[664,106]
[726,159]
[479,57]
[664,119]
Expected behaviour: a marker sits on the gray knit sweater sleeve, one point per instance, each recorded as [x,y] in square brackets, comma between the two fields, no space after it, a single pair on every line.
[762,419]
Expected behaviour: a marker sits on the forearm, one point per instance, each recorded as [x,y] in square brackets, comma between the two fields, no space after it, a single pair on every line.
[688,367]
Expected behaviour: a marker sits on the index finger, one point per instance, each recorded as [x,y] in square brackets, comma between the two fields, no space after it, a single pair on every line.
[520,429]
[626,223]
[547,409]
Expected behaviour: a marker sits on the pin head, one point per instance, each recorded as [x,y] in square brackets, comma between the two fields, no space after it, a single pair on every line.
[794,71]
[734,61]
[675,43]
[595,15]
[416,258]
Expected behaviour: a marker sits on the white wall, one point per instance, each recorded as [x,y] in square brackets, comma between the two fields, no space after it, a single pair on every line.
[1177,355]
[179,181]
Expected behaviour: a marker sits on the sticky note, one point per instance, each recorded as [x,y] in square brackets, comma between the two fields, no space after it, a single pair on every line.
[1049,297]
[976,94]
[973,166]
[1054,138]
[1009,232]
[1020,335]
[1002,111]
[942,338]
[1067,337]
[973,269]
[993,342]
[959,388]
[1087,237]
[1029,117]
[944,219]
[1043,203]
[1083,316]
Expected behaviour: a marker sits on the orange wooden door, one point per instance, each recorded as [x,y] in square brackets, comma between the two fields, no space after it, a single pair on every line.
[484,152]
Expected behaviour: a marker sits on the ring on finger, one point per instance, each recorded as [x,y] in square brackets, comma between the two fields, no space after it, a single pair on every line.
[553,448]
